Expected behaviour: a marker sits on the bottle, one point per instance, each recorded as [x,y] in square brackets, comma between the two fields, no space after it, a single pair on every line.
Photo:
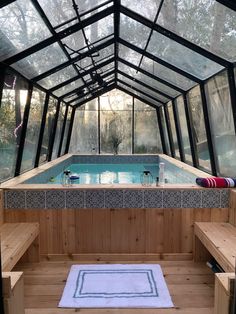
[161,173]
[146,178]
[66,178]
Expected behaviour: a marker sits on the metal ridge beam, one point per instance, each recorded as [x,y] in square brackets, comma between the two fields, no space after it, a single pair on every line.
[60,35]
[116,32]
[175,37]
[73,60]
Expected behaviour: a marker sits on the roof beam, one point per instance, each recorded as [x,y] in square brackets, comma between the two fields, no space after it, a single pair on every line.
[60,35]
[228,3]
[5,2]
[141,92]
[116,32]
[175,37]
[73,60]
[160,61]
[145,85]
[178,89]
[81,75]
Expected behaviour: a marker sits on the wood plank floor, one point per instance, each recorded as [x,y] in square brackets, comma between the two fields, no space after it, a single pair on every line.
[191,286]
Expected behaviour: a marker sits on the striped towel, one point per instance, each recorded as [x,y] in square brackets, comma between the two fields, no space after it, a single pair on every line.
[216,182]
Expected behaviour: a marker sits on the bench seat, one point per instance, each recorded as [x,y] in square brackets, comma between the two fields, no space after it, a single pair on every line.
[16,239]
[220,241]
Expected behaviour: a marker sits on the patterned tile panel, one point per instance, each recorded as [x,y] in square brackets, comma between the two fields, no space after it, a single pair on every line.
[114,198]
[191,198]
[224,198]
[172,198]
[55,199]
[133,199]
[75,199]
[15,199]
[95,198]
[35,199]
[211,198]
[153,198]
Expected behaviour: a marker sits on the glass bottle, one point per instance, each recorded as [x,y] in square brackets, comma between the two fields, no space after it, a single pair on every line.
[66,178]
[161,173]
[146,178]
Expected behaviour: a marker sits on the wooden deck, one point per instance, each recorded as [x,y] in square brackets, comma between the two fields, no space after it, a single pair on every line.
[191,286]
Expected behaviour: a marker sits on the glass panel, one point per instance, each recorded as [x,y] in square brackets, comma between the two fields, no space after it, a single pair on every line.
[48,129]
[57,139]
[208,24]
[147,80]
[222,123]
[173,129]
[184,129]
[68,119]
[116,110]
[68,88]
[200,138]
[166,74]
[173,52]
[11,118]
[139,94]
[129,55]
[41,61]
[147,8]
[33,128]
[21,27]
[84,138]
[146,130]
[164,126]
[58,77]
[133,31]
[140,87]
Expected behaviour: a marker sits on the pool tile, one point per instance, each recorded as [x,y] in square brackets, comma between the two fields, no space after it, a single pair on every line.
[15,199]
[35,199]
[224,202]
[133,199]
[75,199]
[95,199]
[55,199]
[153,198]
[172,198]
[114,198]
[211,198]
[191,199]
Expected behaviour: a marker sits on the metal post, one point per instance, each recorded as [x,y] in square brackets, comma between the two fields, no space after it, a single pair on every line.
[133,130]
[70,130]
[164,149]
[178,132]
[52,139]
[99,126]
[62,132]
[172,149]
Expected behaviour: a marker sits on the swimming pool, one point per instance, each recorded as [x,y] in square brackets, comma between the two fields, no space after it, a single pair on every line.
[95,170]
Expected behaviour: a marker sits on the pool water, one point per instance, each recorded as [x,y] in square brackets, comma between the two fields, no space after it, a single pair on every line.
[109,173]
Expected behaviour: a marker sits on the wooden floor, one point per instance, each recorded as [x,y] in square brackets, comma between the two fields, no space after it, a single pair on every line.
[190,285]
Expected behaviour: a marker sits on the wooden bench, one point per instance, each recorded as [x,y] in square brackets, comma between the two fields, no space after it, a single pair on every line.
[16,239]
[224,290]
[219,239]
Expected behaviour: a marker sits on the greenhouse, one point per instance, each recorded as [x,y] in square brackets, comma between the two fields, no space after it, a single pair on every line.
[117,156]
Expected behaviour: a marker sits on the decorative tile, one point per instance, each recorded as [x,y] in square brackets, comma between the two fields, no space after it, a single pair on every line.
[133,199]
[75,199]
[211,198]
[94,198]
[15,199]
[35,199]
[191,198]
[172,198]
[55,199]
[224,198]
[153,198]
[114,198]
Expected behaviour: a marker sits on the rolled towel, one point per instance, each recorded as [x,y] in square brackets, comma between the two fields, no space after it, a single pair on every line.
[216,182]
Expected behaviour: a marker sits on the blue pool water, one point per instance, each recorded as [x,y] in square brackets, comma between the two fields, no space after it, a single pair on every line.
[109,173]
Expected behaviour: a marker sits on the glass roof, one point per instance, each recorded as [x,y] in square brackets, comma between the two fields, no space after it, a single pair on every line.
[160,48]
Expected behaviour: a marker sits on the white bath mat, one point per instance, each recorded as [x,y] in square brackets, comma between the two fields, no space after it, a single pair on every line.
[116,286]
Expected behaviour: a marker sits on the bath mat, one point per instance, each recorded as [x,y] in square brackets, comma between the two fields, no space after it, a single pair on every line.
[116,286]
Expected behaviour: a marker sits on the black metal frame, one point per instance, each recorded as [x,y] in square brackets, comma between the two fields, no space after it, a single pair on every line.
[172,148]
[178,132]
[51,141]
[163,143]
[72,119]
[132,127]
[62,132]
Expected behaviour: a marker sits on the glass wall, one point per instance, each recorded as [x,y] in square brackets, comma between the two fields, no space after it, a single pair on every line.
[199,130]
[48,129]
[173,128]
[68,119]
[84,138]
[146,129]
[184,129]
[60,122]
[14,95]
[164,126]
[222,124]
[33,129]
[115,123]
